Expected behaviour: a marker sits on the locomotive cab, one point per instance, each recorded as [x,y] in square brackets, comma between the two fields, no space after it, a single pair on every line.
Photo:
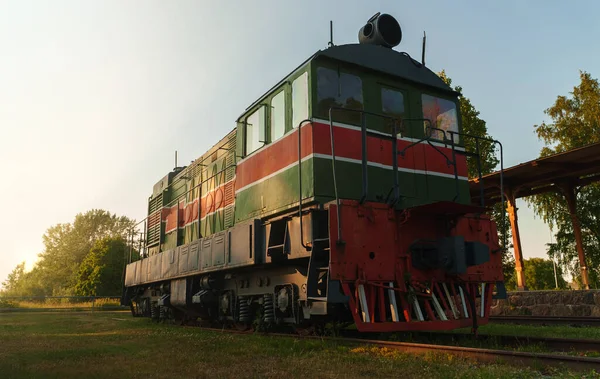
[352,86]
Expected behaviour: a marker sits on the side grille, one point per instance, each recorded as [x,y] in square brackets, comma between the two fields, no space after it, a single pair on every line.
[154,220]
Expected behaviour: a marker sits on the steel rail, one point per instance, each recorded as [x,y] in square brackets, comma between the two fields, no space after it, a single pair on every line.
[513,358]
[552,343]
[546,320]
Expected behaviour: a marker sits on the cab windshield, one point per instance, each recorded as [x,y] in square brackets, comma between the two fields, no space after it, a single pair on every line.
[443,116]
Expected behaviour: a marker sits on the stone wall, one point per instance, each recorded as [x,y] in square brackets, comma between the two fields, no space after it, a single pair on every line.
[549,303]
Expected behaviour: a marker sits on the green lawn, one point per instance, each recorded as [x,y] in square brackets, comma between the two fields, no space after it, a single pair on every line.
[57,303]
[115,345]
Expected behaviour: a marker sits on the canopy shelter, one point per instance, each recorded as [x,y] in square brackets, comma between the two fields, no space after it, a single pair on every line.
[563,172]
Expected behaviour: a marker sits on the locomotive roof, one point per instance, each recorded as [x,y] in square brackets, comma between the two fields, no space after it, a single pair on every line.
[387,61]
[377,58]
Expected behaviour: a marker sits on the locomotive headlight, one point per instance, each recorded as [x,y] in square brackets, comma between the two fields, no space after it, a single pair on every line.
[381,29]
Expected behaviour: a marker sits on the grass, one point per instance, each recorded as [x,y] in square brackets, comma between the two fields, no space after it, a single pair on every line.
[115,345]
[65,303]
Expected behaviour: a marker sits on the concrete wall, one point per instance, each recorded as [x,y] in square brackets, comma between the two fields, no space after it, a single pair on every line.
[549,303]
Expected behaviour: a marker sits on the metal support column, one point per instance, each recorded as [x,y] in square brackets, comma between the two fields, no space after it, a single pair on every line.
[569,192]
[514,226]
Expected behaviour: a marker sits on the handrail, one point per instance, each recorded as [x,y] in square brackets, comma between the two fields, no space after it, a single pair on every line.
[308,120]
[364,163]
[477,154]
[176,200]
[482,200]
[339,241]
[456,186]
[428,139]
[364,133]
[198,185]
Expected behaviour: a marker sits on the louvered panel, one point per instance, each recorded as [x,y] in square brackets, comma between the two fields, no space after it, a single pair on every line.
[230,170]
[231,145]
[154,219]
[153,233]
[229,193]
[155,204]
[229,213]
[229,173]
[197,170]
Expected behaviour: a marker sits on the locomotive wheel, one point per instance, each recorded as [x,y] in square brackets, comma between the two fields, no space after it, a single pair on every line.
[242,326]
[180,317]
[315,328]
[133,309]
[320,328]
[304,330]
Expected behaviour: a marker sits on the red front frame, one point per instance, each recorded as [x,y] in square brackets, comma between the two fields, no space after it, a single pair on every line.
[373,253]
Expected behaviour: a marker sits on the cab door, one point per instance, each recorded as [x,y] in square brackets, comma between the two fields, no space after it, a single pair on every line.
[441,183]
[394,104]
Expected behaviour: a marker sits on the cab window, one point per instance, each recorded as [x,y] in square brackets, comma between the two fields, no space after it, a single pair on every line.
[339,89]
[442,114]
[255,130]
[299,99]
[278,116]
[392,104]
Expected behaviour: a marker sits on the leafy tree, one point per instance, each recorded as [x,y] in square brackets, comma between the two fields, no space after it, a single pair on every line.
[473,125]
[100,273]
[540,274]
[31,284]
[65,248]
[14,280]
[508,268]
[575,119]
[574,122]
[22,283]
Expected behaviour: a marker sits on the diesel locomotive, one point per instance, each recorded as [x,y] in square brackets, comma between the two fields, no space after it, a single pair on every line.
[341,195]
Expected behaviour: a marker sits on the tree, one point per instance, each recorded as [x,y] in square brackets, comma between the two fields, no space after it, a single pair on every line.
[31,284]
[65,248]
[574,122]
[540,274]
[100,273]
[22,283]
[473,125]
[14,280]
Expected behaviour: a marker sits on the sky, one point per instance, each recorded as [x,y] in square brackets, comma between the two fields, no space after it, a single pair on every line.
[95,96]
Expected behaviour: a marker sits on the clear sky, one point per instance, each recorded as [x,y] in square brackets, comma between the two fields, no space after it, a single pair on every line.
[95,96]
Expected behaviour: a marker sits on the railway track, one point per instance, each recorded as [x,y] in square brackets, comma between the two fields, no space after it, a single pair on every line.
[546,320]
[515,358]
[554,344]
